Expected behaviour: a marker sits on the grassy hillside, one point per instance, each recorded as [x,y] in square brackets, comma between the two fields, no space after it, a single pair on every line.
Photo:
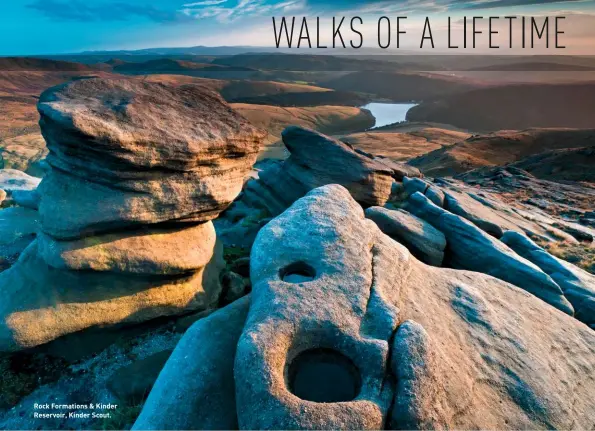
[513,107]
[326,119]
[407,143]
[499,148]
[569,164]
[399,87]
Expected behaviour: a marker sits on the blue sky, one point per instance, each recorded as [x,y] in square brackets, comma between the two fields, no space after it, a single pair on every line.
[67,26]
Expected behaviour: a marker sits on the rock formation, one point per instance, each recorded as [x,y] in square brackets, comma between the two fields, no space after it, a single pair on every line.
[423,240]
[471,248]
[578,285]
[347,330]
[315,160]
[139,170]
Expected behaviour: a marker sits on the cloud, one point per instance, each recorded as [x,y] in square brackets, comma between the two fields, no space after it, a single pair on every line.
[204,3]
[76,10]
[240,9]
[490,4]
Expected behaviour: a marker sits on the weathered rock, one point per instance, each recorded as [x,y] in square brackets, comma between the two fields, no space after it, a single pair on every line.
[413,185]
[12,180]
[400,170]
[138,170]
[317,160]
[195,389]
[417,370]
[578,285]
[23,152]
[16,223]
[423,240]
[314,350]
[147,250]
[2,196]
[154,153]
[41,303]
[26,198]
[471,248]
[321,326]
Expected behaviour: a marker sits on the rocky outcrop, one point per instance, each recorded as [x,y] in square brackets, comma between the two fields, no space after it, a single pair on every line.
[578,285]
[16,187]
[315,160]
[346,330]
[138,171]
[471,248]
[422,239]
[155,153]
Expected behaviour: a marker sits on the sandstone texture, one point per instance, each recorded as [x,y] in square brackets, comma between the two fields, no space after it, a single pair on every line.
[471,248]
[347,330]
[123,233]
[202,366]
[315,160]
[128,152]
[423,240]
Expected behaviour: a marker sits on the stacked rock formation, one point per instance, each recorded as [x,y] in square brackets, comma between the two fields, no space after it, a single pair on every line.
[347,330]
[139,170]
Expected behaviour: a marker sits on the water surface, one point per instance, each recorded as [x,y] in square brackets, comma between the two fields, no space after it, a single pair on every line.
[388,113]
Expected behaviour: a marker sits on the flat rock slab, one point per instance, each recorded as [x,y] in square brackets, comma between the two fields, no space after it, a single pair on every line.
[41,303]
[146,251]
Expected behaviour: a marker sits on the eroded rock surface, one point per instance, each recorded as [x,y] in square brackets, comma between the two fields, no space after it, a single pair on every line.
[421,238]
[138,170]
[129,152]
[471,248]
[315,160]
[342,313]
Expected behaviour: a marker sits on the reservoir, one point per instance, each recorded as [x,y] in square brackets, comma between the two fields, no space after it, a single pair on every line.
[388,113]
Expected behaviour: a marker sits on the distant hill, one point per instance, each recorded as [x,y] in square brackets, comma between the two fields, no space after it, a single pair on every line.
[406,142]
[190,50]
[500,148]
[167,65]
[535,66]
[38,64]
[569,164]
[305,62]
[399,87]
[513,107]
[338,98]
[22,79]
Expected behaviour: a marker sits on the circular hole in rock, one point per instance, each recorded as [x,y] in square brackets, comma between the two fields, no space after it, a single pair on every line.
[323,376]
[297,272]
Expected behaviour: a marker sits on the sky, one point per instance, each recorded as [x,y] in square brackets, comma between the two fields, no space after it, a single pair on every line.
[42,27]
